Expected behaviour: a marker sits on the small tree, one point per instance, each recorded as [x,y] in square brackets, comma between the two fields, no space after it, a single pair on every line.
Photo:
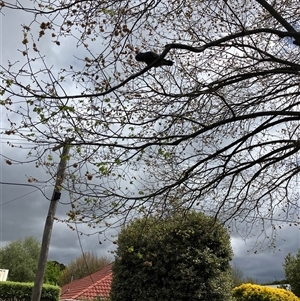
[291,268]
[183,257]
[82,266]
[20,257]
[53,272]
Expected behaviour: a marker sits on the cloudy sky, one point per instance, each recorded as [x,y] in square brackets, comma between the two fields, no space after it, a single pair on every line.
[23,209]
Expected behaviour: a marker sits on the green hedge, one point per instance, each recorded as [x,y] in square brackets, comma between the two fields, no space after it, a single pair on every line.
[22,291]
[253,292]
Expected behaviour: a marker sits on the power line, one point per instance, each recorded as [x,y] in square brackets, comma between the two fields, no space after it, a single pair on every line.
[22,184]
[82,252]
[18,198]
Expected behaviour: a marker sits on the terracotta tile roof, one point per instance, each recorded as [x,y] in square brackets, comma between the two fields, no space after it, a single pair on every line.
[87,288]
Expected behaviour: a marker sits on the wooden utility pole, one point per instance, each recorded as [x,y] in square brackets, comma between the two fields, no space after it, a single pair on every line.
[39,278]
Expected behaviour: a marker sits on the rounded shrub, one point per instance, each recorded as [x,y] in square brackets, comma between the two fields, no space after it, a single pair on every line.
[253,292]
[182,257]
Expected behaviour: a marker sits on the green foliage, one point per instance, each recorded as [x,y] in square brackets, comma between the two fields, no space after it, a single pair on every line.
[291,268]
[53,272]
[184,257]
[82,266]
[254,292]
[22,291]
[20,257]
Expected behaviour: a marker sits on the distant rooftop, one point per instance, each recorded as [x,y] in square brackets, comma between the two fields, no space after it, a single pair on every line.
[285,285]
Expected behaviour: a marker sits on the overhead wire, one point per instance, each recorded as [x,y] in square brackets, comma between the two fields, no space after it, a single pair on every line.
[23,184]
[82,252]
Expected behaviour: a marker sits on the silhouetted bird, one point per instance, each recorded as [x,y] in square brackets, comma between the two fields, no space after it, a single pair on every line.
[149,57]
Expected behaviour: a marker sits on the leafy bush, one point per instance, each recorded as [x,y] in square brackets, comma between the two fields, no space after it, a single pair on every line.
[23,291]
[184,257]
[254,292]
[291,268]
